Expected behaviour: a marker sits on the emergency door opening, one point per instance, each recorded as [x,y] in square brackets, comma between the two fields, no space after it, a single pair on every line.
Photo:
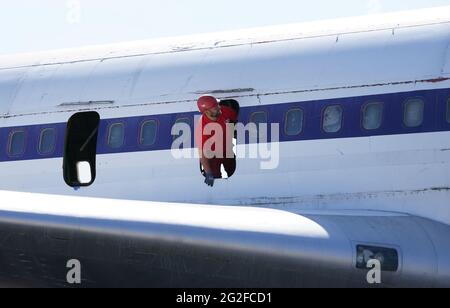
[222,168]
[80,149]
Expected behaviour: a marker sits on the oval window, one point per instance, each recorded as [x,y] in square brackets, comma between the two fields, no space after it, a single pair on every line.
[181,121]
[148,133]
[180,127]
[116,135]
[258,118]
[47,141]
[414,112]
[332,119]
[373,116]
[294,122]
[448,111]
[16,143]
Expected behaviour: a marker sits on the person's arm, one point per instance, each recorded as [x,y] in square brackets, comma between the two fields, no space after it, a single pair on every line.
[209,176]
[205,163]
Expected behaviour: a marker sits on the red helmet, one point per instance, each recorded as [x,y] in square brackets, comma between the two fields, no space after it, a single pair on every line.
[207,102]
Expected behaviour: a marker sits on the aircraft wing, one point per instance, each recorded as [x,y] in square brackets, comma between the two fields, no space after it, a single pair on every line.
[121,243]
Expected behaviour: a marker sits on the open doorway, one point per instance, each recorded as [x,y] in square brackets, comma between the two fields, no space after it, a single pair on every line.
[80,149]
[228,167]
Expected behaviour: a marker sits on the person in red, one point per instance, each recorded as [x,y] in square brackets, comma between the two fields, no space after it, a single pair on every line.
[215,116]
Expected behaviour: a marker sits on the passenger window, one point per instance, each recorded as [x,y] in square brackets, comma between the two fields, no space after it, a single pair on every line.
[448,111]
[80,149]
[414,112]
[332,119]
[259,118]
[47,141]
[294,122]
[148,133]
[16,143]
[373,116]
[116,135]
[178,121]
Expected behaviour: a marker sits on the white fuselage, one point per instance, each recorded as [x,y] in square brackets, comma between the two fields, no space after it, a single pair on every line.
[404,171]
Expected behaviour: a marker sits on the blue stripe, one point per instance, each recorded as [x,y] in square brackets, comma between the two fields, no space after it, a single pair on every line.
[434,121]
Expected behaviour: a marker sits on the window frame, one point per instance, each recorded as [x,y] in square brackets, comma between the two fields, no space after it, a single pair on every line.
[364,108]
[322,122]
[179,120]
[286,122]
[40,141]
[108,135]
[257,127]
[447,111]
[10,139]
[256,112]
[141,129]
[405,103]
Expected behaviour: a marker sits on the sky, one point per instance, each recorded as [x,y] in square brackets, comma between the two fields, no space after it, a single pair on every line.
[33,25]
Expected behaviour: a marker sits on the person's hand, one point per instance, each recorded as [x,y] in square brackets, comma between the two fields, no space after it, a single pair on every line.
[209,180]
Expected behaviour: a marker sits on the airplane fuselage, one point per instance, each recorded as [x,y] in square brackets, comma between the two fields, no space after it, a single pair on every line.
[363,112]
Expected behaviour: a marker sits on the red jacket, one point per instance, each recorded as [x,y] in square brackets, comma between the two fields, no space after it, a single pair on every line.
[228,115]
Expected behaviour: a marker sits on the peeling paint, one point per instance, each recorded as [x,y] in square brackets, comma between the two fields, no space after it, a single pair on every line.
[88,103]
[436,80]
[182,48]
[316,200]
[437,189]
[394,83]
[227,91]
